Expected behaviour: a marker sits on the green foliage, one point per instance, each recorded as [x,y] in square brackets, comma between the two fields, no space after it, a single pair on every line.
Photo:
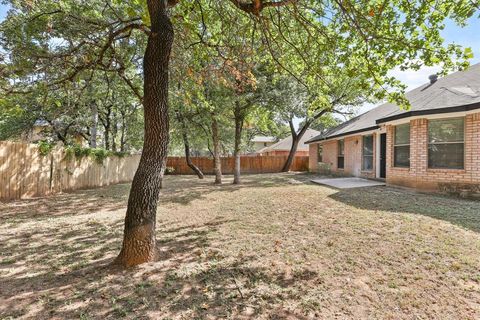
[98,154]
[81,152]
[13,119]
[45,147]
[70,86]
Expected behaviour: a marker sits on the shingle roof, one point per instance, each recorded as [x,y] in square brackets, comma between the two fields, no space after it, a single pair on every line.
[286,144]
[459,91]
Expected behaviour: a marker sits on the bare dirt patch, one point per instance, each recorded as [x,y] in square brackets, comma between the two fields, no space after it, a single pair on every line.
[277,247]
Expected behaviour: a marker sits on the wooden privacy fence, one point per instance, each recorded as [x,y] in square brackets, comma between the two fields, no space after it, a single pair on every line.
[24,172]
[249,164]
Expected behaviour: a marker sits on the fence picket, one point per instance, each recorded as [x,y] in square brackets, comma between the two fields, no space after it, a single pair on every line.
[26,173]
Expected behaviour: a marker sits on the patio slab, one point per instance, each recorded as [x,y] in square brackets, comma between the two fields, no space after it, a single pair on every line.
[348,183]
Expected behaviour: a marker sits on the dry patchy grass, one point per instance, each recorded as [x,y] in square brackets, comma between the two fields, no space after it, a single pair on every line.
[276,247]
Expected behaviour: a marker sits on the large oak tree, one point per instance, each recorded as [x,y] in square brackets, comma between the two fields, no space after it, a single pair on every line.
[367,37]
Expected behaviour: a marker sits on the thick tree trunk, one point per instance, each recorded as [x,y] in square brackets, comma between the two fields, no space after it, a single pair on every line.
[139,243]
[238,140]
[186,143]
[216,151]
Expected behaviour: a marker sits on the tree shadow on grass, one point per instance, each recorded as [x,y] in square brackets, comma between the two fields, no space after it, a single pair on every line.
[185,189]
[178,189]
[80,202]
[463,213]
[229,288]
[69,277]
[72,267]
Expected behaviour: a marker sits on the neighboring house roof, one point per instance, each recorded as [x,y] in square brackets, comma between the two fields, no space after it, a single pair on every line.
[263,139]
[459,91]
[286,144]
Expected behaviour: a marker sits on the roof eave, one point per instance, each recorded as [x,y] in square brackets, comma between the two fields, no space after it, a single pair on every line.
[462,108]
[341,134]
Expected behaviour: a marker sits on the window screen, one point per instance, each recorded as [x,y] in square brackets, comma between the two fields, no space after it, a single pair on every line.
[367,163]
[446,145]
[401,147]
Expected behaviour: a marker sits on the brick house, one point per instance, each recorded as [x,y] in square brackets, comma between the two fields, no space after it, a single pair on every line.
[433,146]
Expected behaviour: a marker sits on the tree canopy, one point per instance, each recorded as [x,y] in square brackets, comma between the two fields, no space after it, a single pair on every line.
[51,42]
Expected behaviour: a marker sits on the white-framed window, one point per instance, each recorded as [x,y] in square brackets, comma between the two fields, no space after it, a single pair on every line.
[341,154]
[367,153]
[401,146]
[446,143]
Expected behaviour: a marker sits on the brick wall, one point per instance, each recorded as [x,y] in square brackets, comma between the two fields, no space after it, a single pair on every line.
[329,154]
[419,176]
[353,157]
[312,157]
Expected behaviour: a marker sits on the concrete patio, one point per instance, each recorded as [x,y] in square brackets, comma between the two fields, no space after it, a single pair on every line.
[348,183]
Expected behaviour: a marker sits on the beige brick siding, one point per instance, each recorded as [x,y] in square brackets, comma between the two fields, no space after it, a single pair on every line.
[419,175]
[353,156]
[313,157]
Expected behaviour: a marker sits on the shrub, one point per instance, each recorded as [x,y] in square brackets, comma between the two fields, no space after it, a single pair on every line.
[100,154]
[81,152]
[45,147]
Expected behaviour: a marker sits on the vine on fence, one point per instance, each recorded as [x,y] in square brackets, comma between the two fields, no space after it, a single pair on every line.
[98,154]
[45,147]
[79,152]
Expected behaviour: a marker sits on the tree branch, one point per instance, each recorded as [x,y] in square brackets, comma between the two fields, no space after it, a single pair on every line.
[256,6]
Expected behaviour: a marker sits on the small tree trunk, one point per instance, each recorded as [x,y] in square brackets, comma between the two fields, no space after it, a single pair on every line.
[139,243]
[107,125]
[192,166]
[123,133]
[216,151]
[114,131]
[162,174]
[238,141]
[291,154]
[93,129]
[296,137]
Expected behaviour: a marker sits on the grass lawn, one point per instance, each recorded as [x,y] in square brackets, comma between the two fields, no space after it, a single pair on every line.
[276,247]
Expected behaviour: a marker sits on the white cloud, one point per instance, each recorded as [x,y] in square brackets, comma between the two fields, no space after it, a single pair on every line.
[411,78]
[414,79]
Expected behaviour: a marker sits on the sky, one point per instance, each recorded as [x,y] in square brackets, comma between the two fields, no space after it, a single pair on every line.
[467,37]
